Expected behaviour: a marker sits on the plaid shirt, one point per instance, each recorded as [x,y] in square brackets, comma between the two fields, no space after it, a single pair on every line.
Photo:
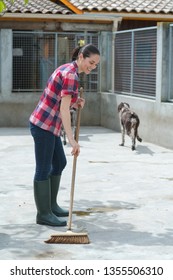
[64,81]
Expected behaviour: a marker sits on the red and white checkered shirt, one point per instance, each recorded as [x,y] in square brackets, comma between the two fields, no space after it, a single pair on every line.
[63,81]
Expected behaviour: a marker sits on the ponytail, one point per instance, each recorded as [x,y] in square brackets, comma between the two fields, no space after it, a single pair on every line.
[75,53]
[86,50]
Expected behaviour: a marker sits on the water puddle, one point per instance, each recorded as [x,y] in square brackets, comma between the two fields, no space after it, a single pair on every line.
[101,210]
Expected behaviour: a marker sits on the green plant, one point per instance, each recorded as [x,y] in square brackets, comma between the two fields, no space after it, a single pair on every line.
[3,4]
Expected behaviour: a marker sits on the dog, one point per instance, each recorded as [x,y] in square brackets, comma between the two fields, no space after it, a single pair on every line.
[129,121]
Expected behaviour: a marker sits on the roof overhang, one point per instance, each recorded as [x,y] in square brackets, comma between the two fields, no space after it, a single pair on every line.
[139,16]
[85,18]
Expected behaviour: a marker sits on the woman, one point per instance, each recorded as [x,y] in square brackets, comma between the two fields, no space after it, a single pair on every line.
[53,110]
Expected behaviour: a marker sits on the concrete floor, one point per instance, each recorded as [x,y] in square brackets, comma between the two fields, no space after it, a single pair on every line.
[123,199]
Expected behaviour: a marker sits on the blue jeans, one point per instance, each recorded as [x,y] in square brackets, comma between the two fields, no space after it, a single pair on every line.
[49,153]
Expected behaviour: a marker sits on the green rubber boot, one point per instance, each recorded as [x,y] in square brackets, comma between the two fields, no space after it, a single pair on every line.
[56,209]
[42,195]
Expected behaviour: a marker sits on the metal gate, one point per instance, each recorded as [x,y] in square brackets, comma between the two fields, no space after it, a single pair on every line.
[37,54]
[135,62]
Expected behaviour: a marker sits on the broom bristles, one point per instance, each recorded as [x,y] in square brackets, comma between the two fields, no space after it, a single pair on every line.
[69,237]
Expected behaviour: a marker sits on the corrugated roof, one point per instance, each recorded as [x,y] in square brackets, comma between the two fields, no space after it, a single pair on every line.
[147,6]
[70,6]
[37,6]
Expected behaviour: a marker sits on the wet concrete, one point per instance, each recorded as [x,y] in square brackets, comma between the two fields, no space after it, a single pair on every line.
[123,199]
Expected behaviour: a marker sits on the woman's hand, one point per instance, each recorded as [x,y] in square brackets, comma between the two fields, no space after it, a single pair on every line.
[79,103]
[75,148]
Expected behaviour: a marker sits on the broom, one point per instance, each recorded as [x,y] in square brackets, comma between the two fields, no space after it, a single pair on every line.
[70,237]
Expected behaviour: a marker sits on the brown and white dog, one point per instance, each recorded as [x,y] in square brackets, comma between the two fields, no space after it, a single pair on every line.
[129,121]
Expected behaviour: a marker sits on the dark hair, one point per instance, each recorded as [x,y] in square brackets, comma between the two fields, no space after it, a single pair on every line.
[86,50]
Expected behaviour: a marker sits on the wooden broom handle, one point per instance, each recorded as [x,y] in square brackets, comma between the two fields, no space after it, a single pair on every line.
[76,136]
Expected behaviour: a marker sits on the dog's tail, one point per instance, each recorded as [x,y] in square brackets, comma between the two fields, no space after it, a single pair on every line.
[139,138]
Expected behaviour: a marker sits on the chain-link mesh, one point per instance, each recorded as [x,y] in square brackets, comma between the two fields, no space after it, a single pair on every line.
[37,54]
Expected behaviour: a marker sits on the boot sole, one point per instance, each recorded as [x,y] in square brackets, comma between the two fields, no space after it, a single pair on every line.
[50,224]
